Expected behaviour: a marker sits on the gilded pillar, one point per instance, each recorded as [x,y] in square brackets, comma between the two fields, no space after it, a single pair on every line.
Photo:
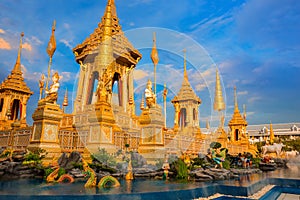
[124,91]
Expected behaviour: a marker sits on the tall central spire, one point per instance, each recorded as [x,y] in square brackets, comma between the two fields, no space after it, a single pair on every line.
[111,7]
[17,67]
[110,12]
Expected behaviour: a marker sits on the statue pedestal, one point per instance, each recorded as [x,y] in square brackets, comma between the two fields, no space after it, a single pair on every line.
[46,118]
[151,144]
[102,128]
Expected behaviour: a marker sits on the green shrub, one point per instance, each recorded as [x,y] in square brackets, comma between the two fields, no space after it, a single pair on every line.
[181,169]
[226,164]
[61,172]
[105,158]
[47,172]
[77,165]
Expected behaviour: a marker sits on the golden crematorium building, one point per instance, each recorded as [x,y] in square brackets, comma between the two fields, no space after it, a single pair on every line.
[104,119]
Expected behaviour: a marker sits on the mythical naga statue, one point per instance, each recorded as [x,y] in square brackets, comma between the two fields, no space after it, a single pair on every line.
[92,181]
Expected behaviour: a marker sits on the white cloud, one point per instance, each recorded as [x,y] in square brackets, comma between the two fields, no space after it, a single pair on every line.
[35,76]
[139,74]
[242,93]
[66,76]
[253,99]
[200,87]
[2,31]
[27,46]
[36,40]
[4,44]
[67,43]
[66,26]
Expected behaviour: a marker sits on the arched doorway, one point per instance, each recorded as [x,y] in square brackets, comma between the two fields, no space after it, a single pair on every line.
[91,97]
[182,119]
[236,134]
[16,110]
[1,104]
[117,90]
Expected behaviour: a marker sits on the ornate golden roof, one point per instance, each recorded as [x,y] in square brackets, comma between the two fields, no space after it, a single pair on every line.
[186,91]
[15,80]
[108,27]
[237,118]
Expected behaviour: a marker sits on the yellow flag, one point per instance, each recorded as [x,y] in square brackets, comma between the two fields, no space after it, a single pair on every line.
[154,53]
[52,43]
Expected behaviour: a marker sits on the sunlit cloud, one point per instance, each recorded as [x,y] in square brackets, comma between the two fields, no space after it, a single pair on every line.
[27,46]
[139,74]
[4,44]
[2,31]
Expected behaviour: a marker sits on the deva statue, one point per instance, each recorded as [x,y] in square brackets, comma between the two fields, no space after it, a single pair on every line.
[52,93]
[149,95]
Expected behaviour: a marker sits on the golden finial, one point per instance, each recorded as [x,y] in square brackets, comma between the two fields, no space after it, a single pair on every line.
[110,12]
[165,104]
[219,100]
[236,107]
[184,65]
[155,59]
[41,85]
[165,92]
[271,133]
[111,8]
[207,124]
[142,103]
[50,51]
[244,108]
[17,67]
[66,101]
[52,43]
[154,53]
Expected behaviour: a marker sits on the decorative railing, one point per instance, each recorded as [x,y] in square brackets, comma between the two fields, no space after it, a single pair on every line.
[71,141]
[15,139]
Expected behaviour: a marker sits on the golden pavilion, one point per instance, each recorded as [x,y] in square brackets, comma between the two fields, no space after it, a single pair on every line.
[103,119]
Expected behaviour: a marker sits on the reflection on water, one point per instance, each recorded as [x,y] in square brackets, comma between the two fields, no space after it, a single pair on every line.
[39,187]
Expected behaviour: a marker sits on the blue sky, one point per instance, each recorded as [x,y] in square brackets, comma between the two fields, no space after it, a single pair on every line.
[254,43]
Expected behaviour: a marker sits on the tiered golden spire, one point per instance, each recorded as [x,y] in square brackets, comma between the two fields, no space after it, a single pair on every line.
[142,105]
[236,107]
[237,117]
[155,59]
[219,100]
[185,75]
[66,101]
[17,67]
[186,92]
[15,81]
[110,11]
